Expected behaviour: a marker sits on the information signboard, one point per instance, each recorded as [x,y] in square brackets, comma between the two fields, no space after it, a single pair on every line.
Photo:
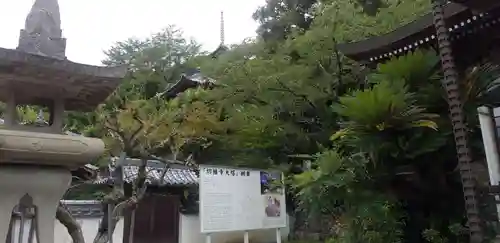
[235,199]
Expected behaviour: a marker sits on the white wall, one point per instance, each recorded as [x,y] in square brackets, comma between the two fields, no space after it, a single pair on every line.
[89,228]
[189,232]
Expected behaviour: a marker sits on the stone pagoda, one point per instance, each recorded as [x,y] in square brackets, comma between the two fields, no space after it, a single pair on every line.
[35,162]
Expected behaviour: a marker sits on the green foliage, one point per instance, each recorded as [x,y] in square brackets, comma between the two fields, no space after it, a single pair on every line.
[269,107]
[155,63]
[329,185]
[376,220]
[480,83]
[278,96]
[351,24]
[457,231]
[387,123]
[434,236]
[159,52]
[304,241]
[414,69]
[340,186]
[279,18]
[86,192]
[383,107]
[136,119]
[373,117]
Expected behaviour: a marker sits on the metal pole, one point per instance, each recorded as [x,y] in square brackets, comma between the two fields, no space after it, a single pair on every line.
[208,238]
[278,235]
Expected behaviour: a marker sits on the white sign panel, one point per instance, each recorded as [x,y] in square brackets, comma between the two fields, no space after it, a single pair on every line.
[235,199]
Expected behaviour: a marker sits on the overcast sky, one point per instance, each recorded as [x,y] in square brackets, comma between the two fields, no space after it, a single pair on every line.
[92,26]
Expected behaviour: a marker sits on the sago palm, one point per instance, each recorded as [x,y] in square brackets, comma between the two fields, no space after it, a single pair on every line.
[372,115]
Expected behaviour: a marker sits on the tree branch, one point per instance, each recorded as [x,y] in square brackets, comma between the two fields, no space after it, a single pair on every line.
[288,90]
[66,219]
[135,134]
[122,204]
[115,130]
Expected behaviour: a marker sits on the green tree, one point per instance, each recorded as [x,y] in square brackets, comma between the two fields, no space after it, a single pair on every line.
[136,121]
[278,102]
[273,103]
[410,152]
[155,63]
[279,18]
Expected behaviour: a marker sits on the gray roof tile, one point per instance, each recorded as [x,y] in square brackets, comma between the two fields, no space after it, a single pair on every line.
[183,177]
[177,175]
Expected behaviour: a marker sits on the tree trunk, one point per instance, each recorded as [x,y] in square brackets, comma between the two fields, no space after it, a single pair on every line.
[73,227]
[105,228]
[117,197]
[450,84]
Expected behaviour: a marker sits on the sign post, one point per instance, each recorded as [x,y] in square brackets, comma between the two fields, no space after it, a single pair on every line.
[245,237]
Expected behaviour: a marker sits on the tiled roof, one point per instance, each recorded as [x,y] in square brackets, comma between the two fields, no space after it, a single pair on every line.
[175,175]
[172,176]
[191,79]
[199,78]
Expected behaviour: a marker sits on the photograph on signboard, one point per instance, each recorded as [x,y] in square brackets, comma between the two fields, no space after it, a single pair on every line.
[273,205]
[270,182]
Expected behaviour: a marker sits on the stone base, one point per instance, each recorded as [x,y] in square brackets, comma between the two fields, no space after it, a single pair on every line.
[44,185]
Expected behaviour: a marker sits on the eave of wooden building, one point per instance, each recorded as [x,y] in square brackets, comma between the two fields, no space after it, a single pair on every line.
[479,5]
[220,50]
[188,81]
[467,28]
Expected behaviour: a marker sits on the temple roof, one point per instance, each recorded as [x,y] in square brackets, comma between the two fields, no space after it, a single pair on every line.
[462,22]
[480,5]
[38,79]
[220,50]
[191,79]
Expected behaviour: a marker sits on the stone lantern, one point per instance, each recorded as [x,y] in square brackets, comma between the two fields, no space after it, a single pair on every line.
[35,162]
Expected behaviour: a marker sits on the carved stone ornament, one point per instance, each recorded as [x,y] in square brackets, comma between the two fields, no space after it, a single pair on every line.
[42,34]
